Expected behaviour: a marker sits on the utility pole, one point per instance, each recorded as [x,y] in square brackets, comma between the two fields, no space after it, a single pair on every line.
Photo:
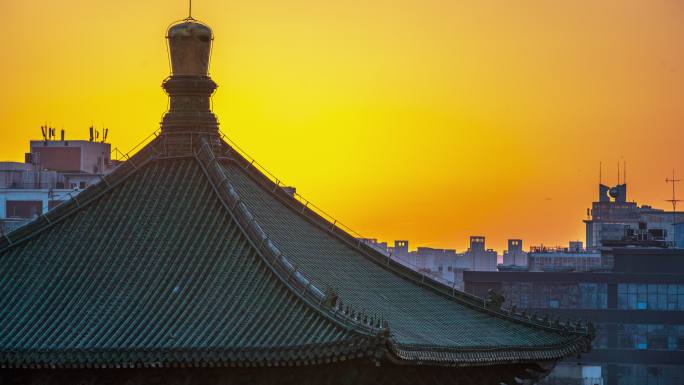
[674,202]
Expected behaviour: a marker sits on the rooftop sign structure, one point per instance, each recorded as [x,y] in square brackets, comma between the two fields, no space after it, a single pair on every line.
[210,273]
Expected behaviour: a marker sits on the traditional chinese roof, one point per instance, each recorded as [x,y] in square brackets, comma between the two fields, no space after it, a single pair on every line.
[187,255]
[188,258]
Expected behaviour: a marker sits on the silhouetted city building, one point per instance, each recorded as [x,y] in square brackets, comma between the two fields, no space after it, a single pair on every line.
[481,259]
[572,258]
[443,264]
[54,171]
[514,255]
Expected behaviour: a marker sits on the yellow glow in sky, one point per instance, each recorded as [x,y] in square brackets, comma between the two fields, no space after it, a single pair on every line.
[425,120]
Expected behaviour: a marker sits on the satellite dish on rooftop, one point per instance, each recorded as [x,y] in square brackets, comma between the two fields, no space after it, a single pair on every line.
[613,192]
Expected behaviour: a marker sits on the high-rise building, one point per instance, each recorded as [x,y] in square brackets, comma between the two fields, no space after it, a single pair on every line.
[613,219]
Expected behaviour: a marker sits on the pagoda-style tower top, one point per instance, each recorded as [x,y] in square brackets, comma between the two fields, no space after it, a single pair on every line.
[189,86]
[189,47]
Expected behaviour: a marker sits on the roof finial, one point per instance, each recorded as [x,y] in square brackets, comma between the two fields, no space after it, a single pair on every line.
[190,10]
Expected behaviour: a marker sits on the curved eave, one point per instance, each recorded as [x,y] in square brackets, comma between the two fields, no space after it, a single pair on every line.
[433,355]
[186,358]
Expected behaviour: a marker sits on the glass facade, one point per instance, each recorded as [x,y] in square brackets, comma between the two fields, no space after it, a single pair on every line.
[650,375]
[625,374]
[551,295]
[650,337]
[593,296]
[634,296]
[576,261]
[601,339]
[639,337]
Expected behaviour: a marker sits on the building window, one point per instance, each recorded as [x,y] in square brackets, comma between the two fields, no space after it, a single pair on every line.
[544,295]
[650,374]
[657,336]
[601,339]
[593,295]
[651,337]
[652,297]
[518,293]
[23,209]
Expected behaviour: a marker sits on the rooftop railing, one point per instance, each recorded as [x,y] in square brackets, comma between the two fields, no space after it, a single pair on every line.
[307,203]
[121,156]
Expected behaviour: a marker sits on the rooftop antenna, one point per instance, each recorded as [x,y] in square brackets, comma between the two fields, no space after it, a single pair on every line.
[618,173]
[624,172]
[674,202]
[600,172]
[190,10]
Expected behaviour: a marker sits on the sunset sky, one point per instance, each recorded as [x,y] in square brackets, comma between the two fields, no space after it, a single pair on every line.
[423,120]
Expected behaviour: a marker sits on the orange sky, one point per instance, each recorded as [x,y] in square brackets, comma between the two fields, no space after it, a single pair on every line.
[425,120]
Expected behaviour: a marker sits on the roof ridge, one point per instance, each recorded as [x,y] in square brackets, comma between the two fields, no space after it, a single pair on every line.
[384,261]
[322,301]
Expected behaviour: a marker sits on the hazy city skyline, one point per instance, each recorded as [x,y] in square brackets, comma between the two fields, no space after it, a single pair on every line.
[492,120]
